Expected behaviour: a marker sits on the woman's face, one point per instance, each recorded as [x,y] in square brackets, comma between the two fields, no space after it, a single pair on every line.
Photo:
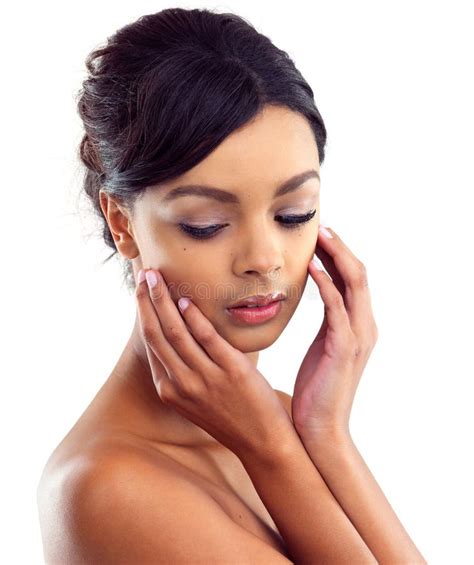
[253,252]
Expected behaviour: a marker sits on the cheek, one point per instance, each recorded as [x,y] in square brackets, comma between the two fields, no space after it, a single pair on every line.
[200,286]
[297,258]
[296,291]
[302,244]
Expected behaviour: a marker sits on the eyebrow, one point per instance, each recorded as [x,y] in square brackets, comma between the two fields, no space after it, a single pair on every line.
[226,197]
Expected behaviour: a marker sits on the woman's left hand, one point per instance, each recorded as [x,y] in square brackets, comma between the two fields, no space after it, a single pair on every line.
[331,369]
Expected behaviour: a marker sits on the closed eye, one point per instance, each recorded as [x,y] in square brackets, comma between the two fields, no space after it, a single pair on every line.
[287,222]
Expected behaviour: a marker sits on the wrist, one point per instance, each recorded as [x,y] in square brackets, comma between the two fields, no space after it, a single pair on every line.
[273,454]
[324,435]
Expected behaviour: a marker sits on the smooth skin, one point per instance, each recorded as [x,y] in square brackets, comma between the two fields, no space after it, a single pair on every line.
[213,385]
[206,379]
[191,378]
[327,380]
[253,253]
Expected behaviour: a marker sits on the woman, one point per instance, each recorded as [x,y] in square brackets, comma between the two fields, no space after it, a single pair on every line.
[203,148]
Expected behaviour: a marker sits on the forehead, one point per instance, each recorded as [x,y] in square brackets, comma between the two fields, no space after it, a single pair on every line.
[263,153]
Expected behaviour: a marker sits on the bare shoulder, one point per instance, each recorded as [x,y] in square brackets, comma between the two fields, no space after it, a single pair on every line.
[118,506]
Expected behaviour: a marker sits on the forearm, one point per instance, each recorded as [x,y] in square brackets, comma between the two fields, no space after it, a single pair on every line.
[356,490]
[310,520]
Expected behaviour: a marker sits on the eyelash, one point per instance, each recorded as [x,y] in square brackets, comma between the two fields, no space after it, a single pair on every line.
[290,223]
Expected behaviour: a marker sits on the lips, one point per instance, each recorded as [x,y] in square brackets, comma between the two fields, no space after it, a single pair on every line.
[258,300]
[256,315]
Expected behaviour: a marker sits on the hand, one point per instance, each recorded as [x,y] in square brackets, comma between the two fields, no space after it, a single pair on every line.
[330,372]
[206,379]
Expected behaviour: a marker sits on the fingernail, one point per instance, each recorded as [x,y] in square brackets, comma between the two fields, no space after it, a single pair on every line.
[325,231]
[317,263]
[183,303]
[141,276]
[151,279]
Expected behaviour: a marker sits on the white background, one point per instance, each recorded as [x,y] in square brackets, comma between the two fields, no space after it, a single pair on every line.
[393,82]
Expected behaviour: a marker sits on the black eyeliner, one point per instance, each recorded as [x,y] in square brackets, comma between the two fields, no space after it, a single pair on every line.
[290,222]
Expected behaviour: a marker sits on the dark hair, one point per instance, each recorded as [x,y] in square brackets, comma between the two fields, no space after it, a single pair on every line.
[167,89]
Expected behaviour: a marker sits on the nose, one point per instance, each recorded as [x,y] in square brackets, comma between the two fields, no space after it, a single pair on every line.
[259,252]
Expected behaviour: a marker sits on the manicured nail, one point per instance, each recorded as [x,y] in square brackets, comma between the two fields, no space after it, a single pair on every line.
[141,276]
[183,303]
[325,231]
[151,279]
[317,263]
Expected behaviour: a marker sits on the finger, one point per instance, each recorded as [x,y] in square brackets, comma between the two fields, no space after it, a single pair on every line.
[349,276]
[334,308]
[154,338]
[219,349]
[164,384]
[189,343]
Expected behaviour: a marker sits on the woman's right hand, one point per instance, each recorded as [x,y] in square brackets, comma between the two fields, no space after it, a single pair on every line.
[206,379]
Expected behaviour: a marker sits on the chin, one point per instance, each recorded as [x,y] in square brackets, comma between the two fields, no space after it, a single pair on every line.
[250,345]
[254,338]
